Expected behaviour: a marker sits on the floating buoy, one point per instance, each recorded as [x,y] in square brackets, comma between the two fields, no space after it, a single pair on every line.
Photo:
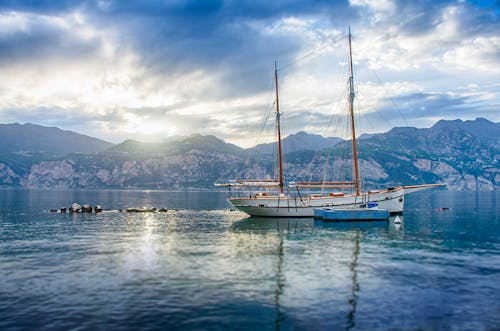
[86,208]
[398,223]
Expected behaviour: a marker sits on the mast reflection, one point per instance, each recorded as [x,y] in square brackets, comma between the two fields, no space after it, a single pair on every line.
[280,285]
[353,301]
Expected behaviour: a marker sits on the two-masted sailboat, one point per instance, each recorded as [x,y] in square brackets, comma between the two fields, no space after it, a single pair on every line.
[270,200]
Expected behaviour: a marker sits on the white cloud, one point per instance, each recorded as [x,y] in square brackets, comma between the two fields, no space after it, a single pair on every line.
[82,67]
[475,54]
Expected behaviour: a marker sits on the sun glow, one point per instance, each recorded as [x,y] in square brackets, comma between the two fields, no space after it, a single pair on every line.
[155,129]
[149,129]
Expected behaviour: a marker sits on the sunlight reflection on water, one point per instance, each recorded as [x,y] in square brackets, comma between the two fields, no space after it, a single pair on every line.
[212,268]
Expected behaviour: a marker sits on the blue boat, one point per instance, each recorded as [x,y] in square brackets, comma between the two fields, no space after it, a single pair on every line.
[370,212]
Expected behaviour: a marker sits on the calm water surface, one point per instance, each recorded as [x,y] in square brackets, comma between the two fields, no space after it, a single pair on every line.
[204,267]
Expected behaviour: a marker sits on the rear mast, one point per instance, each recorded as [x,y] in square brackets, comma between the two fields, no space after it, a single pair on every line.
[280,155]
[351,111]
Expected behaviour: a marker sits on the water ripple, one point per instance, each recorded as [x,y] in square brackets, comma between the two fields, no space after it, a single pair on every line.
[211,268]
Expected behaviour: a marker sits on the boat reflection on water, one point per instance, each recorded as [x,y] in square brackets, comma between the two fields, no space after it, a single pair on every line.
[280,285]
[288,224]
[353,301]
[354,225]
[291,229]
[259,224]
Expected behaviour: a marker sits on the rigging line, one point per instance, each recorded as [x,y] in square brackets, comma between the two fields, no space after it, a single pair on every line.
[348,156]
[337,122]
[424,195]
[275,152]
[361,101]
[361,104]
[343,125]
[316,156]
[266,117]
[330,130]
[341,74]
[392,101]
[312,53]
[329,154]
[358,116]
[256,151]
[259,151]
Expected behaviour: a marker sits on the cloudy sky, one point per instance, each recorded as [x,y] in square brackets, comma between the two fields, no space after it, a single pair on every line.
[151,69]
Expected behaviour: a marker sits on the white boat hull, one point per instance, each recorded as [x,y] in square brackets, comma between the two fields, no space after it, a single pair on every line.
[287,206]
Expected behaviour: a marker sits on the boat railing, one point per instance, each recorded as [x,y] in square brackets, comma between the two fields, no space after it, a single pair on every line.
[250,183]
[322,185]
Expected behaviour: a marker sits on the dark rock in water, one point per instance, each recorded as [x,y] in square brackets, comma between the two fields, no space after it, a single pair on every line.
[163,210]
[141,210]
[86,208]
[53,210]
[97,209]
[64,210]
[75,208]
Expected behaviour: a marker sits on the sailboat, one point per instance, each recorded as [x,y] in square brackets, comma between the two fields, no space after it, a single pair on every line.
[276,203]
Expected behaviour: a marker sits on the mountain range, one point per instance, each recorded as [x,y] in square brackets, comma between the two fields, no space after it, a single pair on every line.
[35,139]
[465,155]
[299,141]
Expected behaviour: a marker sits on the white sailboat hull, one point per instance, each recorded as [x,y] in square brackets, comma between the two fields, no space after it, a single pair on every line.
[286,206]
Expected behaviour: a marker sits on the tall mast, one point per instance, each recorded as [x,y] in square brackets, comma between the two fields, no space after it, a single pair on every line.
[351,110]
[280,157]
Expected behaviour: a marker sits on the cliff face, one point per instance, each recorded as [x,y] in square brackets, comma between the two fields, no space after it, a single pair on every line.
[192,169]
[403,156]
[8,177]
[202,169]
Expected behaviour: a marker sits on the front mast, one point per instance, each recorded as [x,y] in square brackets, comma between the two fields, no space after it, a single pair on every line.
[280,157]
[351,110]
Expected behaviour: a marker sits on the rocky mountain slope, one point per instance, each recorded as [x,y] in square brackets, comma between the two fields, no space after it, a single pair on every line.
[300,141]
[27,139]
[449,152]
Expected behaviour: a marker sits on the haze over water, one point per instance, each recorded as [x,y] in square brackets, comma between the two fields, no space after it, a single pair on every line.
[204,267]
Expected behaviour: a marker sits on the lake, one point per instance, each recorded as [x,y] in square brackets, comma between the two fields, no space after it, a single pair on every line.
[202,266]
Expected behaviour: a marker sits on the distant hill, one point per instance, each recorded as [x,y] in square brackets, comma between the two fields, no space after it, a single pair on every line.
[30,138]
[482,128]
[444,153]
[367,136]
[176,145]
[463,155]
[299,141]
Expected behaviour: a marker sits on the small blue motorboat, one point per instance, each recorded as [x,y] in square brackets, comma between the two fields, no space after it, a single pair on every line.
[368,212]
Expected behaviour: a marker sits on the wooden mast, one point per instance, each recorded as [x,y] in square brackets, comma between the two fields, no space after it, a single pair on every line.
[351,110]
[280,156]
